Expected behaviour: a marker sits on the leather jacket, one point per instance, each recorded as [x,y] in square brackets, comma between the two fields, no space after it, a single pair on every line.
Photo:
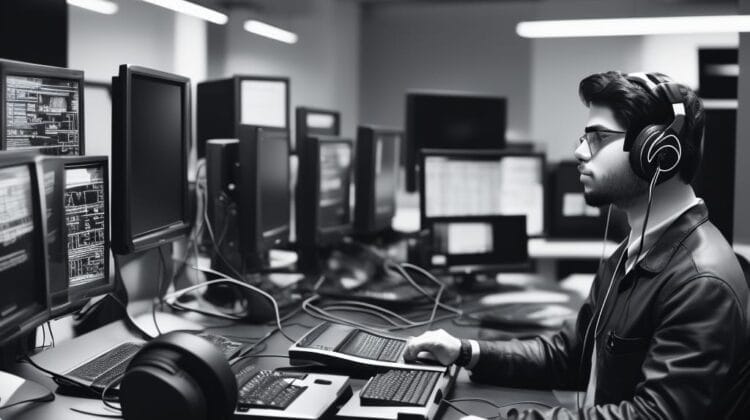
[673,341]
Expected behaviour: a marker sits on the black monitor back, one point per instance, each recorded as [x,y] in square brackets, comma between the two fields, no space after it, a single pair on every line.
[441,120]
[45,106]
[150,147]
[377,167]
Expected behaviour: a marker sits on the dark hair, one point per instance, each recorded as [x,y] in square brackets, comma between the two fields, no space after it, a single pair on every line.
[635,106]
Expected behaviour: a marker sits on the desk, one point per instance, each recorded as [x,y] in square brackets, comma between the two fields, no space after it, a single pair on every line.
[71,352]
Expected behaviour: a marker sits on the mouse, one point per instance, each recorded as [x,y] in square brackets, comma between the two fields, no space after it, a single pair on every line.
[426,358]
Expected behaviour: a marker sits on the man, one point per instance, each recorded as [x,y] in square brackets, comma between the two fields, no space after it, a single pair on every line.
[665,329]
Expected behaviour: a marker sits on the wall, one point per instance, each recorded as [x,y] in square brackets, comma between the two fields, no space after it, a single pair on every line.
[138,33]
[473,46]
[444,46]
[322,65]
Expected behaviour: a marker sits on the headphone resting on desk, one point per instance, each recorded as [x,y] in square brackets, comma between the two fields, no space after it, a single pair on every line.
[178,376]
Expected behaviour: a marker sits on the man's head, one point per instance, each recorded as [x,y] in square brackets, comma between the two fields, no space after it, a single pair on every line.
[619,108]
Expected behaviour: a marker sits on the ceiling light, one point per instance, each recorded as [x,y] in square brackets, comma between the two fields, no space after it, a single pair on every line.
[105,7]
[269,31]
[192,9]
[633,26]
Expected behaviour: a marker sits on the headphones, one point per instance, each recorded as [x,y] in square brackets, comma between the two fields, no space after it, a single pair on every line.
[658,147]
[178,376]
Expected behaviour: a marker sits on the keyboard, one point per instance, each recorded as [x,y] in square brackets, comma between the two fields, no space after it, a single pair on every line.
[399,388]
[268,389]
[106,368]
[229,347]
[370,346]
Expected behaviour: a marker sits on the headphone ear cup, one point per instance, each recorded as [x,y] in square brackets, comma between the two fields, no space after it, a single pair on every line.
[638,157]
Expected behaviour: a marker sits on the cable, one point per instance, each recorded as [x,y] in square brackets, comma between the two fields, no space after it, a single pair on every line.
[51,335]
[215,244]
[46,398]
[453,406]
[227,279]
[44,337]
[158,294]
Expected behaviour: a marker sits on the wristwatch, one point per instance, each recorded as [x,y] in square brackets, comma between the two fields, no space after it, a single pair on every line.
[464,354]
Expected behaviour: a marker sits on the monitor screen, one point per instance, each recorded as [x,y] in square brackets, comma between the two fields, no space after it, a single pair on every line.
[386,172]
[335,179]
[157,168]
[22,259]
[85,219]
[479,241]
[451,121]
[263,103]
[43,114]
[273,174]
[482,185]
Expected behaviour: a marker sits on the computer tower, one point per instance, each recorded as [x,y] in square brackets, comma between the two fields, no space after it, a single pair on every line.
[226,104]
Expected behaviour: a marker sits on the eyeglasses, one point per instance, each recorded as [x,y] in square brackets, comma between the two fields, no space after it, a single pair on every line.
[597,139]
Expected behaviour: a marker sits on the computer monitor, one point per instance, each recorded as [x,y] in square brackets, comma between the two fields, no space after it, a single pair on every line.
[377,167]
[263,190]
[323,200]
[23,269]
[226,104]
[86,203]
[479,243]
[315,122]
[42,108]
[150,146]
[443,120]
[483,183]
[248,197]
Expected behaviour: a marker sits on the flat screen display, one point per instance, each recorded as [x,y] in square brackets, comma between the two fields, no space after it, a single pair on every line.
[335,179]
[156,154]
[42,115]
[17,247]
[274,182]
[85,220]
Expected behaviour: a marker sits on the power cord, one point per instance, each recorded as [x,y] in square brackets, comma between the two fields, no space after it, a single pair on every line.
[226,279]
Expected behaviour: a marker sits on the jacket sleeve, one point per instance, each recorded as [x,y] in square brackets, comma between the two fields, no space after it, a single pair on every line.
[542,362]
[699,333]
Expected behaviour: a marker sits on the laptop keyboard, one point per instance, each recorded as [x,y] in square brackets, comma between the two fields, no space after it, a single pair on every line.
[399,387]
[268,389]
[370,346]
[108,367]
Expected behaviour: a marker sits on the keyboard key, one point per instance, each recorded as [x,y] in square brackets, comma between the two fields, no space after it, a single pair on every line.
[115,358]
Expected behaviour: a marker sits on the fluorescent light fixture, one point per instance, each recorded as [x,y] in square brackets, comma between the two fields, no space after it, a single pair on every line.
[269,31]
[105,7]
[192,9]
[633,26]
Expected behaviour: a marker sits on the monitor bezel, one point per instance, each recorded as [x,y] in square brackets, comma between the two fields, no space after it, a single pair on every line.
[128,242]
[29,318]
[325,234]
[480,154]
[22,69]
[303,133]
[77,296]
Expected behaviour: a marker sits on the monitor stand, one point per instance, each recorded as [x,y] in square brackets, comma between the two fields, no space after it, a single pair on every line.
[481,283]
[15,390]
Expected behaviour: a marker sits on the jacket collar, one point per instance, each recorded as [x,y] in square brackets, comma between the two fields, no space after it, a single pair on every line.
[666,246]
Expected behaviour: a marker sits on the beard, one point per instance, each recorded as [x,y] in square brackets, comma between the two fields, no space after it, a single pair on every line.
[615,189]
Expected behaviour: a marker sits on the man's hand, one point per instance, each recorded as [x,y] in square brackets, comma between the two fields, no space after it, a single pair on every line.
[443,346]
